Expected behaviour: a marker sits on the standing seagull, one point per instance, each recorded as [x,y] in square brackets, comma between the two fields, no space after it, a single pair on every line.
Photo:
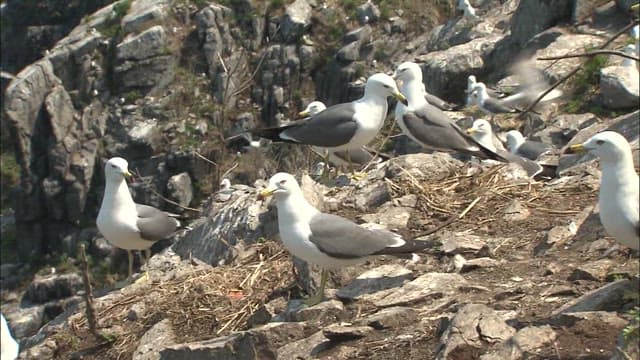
[618,199]
[327,240]
[428,125]
[360,156]
[125,224]
[9,347]
[492,106]
[526,148]
[343,126]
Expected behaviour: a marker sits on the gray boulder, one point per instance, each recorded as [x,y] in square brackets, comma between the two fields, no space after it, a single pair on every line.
[296,20]
[619,86]
[532,17]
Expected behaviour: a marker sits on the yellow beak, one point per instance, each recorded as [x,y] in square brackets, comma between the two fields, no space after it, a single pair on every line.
[127,174]
[303,114]
[471,131]
[576,149]
[265,193]
[401,98]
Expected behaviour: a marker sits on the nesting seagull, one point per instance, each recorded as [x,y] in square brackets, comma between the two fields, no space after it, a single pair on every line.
[327,240]
[346,126]
[618,199]
[482,132]
[360,156]
[9,347]
[125,224]
[471,84]
[529,149]
[225,191]
[428,125]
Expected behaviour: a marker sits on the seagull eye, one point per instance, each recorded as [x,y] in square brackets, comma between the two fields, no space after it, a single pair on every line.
[282,182]
[387,86]
[113,166]
[600,142]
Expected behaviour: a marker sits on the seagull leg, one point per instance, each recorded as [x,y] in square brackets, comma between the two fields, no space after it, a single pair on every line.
[357,176]
[130,257]
[145,276]
[319,296]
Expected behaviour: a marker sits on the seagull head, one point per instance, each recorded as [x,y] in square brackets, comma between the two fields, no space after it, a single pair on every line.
[313,108]
[609,146]
[514,139]
[281,185]
[408,71]
[225,184]
[117,169]
[382,84]
[480,127]
[471,82]
[479,93]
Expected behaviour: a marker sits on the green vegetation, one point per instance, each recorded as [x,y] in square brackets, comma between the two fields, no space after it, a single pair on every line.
[584,84]
[111,27]
[631,332]
[132,96]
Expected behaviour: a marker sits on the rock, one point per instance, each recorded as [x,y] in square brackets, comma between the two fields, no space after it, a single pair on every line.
[524,344]
[447,70]
[609,297]
[180,190]
[625,5]
[259,343]
[392,317]
[531,18]
[337,332]
[143,14]
[628,125]
[267,312]
[515,211]
[559,290]
[296,20]
[46,350]
[440,286]
[307,348]
[150,43]
[331,310]
[52,287]
[392,217]
[559,235]
[479,263]
[375,280]
[372,196]
[154,340]
[25,322]
[561,129]
[619,87]
[555,42]
[368,12]
[467,244]
[428,167]
[588,319]
[137,311]
[349,53]
[592,271]
[472,328]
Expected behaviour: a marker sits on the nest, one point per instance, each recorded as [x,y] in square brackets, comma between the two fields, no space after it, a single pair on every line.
[201,304]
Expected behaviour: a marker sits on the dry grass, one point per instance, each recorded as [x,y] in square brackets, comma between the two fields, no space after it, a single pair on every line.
[200,304]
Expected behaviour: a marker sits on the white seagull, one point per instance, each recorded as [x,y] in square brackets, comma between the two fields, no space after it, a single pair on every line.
[327,240]
[618,199]
[125,224]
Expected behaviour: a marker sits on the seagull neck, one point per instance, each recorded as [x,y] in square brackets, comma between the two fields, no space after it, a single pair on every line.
[486,140]
[120,195]
[617,173]
[412,89]
[295,206]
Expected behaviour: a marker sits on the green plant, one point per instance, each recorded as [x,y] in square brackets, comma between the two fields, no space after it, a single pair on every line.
[631,333]
[132,96]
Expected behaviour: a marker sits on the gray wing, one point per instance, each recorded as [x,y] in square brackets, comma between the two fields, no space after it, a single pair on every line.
[342,238]
[531,167]
[532,149]
[435,130]
[332,127]
[154,224]
[496,107]
[437,102]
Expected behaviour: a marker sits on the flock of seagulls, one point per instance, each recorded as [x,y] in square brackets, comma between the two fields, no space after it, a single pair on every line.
[340,134]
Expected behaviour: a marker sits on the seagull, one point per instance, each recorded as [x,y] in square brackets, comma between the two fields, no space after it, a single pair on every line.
[225,191]
[468,10]
[529,149]
[428,125]
[344,126]
[327,240]
[492,106]
[9,347]
[471,82]
[360,156]
[125,224]
[618,199]
[482,132]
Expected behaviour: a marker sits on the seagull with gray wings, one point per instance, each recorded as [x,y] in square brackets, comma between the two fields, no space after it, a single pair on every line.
[125,224]
[343,126]
[327,240]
